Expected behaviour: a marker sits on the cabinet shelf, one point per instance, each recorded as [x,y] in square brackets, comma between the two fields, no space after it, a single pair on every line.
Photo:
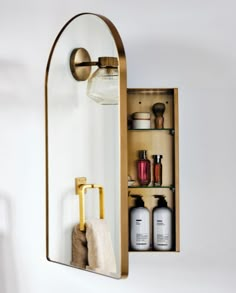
[153,129]
[170,130]
[153,187]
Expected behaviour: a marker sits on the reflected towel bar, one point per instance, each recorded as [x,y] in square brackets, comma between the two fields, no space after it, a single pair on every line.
[80,190]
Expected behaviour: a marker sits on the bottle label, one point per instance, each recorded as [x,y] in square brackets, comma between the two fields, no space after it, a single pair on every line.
[142,239]
[162,238]
[140,229]
[162,229]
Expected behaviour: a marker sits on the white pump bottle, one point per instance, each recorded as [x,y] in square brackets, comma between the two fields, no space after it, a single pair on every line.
[139,225]
[162,225]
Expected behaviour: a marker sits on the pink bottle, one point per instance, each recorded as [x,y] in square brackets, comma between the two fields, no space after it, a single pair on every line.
[143,169]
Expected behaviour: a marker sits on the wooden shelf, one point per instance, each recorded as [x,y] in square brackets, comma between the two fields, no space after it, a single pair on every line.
[153,187]
[152,129]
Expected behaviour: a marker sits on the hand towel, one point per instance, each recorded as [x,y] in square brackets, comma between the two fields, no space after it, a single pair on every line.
[79,248]
[101,256]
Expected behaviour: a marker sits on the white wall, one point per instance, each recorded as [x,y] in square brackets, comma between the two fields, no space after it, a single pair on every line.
[188,44]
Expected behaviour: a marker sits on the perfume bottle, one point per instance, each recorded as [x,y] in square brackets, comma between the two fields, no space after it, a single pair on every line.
[157,170]
[143,169]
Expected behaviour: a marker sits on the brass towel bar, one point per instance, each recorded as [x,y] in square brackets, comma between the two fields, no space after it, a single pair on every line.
[80,190]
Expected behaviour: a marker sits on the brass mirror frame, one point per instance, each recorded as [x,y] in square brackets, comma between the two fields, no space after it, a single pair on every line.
[123,143]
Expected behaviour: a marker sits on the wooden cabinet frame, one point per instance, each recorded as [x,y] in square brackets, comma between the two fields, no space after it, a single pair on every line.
[156,141]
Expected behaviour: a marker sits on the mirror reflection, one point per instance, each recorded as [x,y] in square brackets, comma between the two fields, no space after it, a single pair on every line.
[83,153]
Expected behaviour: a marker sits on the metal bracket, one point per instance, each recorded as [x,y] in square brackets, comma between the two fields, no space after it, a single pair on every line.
[80,189]
[172,188]
[172,132]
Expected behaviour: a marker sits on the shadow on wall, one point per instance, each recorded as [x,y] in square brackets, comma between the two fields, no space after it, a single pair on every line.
[8,282]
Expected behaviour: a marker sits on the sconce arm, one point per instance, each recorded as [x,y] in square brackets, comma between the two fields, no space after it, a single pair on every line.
[83,64]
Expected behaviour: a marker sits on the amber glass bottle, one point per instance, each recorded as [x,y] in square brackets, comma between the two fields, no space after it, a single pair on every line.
[157,170]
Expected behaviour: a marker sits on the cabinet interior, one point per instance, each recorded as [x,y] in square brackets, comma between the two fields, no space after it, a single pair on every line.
[156,141]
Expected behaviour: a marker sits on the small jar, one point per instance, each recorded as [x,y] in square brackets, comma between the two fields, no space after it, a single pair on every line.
[141,120]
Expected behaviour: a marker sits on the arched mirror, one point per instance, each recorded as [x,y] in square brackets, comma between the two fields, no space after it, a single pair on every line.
[86,151]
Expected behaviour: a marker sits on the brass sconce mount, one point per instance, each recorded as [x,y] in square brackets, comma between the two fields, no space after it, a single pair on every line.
[80,63]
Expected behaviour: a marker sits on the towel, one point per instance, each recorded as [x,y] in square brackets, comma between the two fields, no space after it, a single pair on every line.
[101,256]
[79,248]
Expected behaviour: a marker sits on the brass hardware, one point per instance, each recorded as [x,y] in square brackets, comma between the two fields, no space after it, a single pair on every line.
[79,181]
[80,189]
[80,64]
[107,62]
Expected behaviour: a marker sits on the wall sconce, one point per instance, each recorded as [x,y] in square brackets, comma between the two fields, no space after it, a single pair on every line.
[103,83]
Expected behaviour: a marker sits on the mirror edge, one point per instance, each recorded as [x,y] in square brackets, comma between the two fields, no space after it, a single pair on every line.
[122,148]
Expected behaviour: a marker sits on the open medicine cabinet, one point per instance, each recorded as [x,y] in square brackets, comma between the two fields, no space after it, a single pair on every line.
[90,151]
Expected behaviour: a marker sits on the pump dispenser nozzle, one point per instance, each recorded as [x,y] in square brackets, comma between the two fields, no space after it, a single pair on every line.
[138,200]
[161,202]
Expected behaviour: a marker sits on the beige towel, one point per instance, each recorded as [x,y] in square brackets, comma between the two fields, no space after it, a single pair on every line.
[79,248]
[101,256]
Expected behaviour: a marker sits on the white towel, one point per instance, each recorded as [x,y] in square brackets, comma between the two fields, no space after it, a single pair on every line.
[101,256]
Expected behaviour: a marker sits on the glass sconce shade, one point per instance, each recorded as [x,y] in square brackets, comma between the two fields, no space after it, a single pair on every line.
[103,86]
